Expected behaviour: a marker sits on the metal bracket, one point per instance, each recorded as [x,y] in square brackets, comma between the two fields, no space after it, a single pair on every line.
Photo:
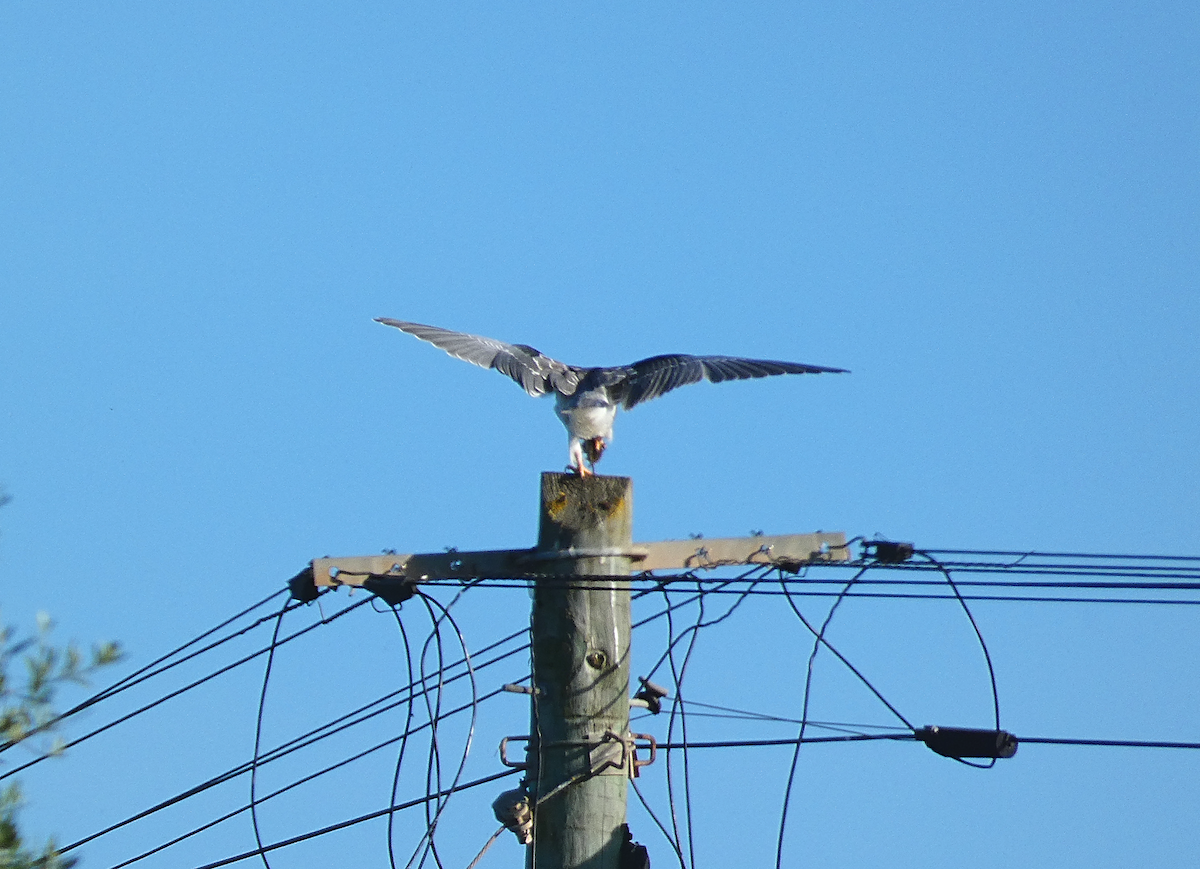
[523,764]
[651,745]
[611,754]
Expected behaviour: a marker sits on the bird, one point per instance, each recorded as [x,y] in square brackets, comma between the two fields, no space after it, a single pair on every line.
[586,399]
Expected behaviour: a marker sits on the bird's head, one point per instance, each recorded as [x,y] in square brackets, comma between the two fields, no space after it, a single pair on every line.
[593,448]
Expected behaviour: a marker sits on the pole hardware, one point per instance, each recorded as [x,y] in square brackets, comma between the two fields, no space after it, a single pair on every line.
[536,556]
[960,742]
[650,696]
[651,745]
[514,688]
[786,551]
[391,589]
[512,809]
[888,551]
[303,586]
[580,753]
[608,754]
[513,764]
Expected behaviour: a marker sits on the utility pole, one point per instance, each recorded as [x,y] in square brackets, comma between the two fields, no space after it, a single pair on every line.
[579,738]
[581,753]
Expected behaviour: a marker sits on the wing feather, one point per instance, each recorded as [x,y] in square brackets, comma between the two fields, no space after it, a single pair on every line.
[657,375]
[534,372]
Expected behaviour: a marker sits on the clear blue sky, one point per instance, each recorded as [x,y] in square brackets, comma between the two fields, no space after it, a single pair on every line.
[987,212]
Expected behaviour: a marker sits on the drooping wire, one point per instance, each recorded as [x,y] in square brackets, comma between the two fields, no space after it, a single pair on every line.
[262,703]
[804,717]
[433,765]
[462,643]
[467,743]
[722,586]
[991,762]
[404,741]
[433,778]
[812,657]
[678,705]
[305,740]
[341,723]
[310,777]
[666,833]
[332,728]
[822,640]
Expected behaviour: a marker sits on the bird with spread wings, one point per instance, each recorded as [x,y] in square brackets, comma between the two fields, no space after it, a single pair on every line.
[586,399]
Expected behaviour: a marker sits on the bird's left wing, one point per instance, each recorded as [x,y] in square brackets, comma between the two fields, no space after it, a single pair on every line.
[537,374]
[660,374]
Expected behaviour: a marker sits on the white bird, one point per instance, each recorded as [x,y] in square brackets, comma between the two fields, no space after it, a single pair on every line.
[586,399]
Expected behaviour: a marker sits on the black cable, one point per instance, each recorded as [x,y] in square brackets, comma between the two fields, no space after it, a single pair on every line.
[1109,743]
[1036,554]
[1162,583]
[315,735]
[182,690]
[678,707]
[433,766]
[675,838]
[431,823]
[812,657]
[664,590]
[141,675]
[970,597]
[716,744]
[299,743]
[852,668]
[807,740]
[404,741]
[666,835]
[910,737]
[750,715]
[262,702]
[332,828]
[273,794]
[991,762]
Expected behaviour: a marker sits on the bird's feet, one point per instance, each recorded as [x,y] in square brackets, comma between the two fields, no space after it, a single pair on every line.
[580,470]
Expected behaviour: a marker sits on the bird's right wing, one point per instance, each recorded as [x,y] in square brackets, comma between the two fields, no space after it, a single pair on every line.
[537,374]
[659,374]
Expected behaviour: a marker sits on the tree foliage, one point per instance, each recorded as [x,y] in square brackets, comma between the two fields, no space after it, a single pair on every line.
[32,669]
[28,715]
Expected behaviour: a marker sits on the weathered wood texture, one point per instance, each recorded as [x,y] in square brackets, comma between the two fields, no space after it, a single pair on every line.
[661,555]
[580,656]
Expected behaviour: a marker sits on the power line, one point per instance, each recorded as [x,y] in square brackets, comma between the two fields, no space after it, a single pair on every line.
[142,674]
[676,595]
[910,737]
[184,689]
[1017,553]
[332,828]
[316,735]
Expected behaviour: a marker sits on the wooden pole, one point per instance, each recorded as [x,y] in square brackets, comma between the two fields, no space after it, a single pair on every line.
[580,652]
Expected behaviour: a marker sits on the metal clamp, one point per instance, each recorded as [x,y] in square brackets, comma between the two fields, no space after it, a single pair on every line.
[651,745]
[610,754]
[524,764]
